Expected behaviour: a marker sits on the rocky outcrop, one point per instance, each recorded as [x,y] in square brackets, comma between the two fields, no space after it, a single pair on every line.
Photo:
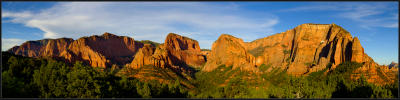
[97,51]
[177,53]
[302,50]
[143,56]
[357,54]
[42,48]
[229,51]
[104,50]
[376,74]
[206,54]
[183,49]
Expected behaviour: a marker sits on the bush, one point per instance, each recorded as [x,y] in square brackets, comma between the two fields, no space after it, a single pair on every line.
[47,78]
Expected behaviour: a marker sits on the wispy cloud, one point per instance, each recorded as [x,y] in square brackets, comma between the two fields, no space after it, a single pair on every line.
[17,17]
[144,20]
[7,43]
[369,15]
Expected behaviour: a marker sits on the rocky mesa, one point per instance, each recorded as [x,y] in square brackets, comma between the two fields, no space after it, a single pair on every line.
[97,51]
[306,48]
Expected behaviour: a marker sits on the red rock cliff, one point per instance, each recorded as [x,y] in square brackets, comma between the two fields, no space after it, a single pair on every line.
[41,48]
[304,49]
[98,51]
[229,50]
[177,52]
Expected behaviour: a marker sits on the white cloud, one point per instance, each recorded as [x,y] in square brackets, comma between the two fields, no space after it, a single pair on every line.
[367,14]
[25,14]
[146,20]
[7,43]
[18,17]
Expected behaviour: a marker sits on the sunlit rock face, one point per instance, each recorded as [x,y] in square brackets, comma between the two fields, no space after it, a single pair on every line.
[97,51]
[229,51]
[306,48]
[178,53]
[46,47]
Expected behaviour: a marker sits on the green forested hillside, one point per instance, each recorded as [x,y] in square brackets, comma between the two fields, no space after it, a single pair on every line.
[47,78]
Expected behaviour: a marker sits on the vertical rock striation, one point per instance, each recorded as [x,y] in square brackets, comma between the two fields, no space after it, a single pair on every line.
[306,48]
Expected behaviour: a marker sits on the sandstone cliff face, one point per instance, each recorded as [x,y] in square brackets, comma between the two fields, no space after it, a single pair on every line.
[97,51]
[183,49]
[306,48]
[302,50]
[104,50]
[143,56]
[177,53]
[41,48]
[229,51]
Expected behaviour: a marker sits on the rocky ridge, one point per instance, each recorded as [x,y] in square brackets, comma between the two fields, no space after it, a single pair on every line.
[306,48]
[97,51]
[300,51]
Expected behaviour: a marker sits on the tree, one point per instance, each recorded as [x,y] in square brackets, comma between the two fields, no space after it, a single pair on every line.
[51,79]
[143,90]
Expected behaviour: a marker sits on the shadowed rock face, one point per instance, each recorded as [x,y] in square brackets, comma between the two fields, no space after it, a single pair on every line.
[97,51]
[302,50]
[143,56]
[103,50]
[393,64]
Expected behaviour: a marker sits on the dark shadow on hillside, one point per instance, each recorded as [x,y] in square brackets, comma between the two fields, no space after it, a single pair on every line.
[358,92]
[188,69]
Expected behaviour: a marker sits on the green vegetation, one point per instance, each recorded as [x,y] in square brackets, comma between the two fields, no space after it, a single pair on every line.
[306,37]
[155,44]
[284,46]
[205,49]
[286,51]
[287,59]
[277,84]
[309,64]
[264,67]
[258,51]
[47,78]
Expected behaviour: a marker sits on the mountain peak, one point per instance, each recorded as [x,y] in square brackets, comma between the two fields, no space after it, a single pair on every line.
[171,34]
[230,37]
[179,42]
[106,34]
[226,35]
[173,37]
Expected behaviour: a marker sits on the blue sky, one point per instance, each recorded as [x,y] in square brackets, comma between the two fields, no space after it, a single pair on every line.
[374,23]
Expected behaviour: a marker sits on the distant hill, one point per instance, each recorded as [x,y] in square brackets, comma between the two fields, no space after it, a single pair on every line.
[393,64]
